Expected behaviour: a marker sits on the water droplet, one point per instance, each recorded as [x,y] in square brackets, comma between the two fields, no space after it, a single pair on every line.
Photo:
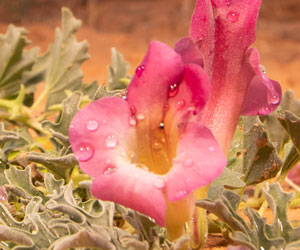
[233,16]
[111,141]
[139,70]
[262,68]
[264,111]
[180,194]
[275,99]
[166,107]
[92,125]
[124,97]
[161,125]
[110,170]
[132,121]
[132,110]
[173,90]
[156,145]
[140,116]
[85,152]
[180,104]
[188,162]
[211,149]
[159,183]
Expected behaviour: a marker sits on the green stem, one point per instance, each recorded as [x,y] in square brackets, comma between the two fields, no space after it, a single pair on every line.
[39,100]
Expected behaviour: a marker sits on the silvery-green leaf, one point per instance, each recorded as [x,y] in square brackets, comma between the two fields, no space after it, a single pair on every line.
[102,91]
[22,179]
[228,179]
[66,57]
[252,154]
[70,108]
[116,71]
[14,60]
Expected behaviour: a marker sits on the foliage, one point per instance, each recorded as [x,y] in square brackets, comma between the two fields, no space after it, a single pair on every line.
[45,201]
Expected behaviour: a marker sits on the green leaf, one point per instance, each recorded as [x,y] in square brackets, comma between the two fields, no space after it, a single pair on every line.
[102,91]
[278,201]
[228,179]
[117,71]
[66,56]
[255,236]
[14,60]
[252,154]
[22,179]
[69,109]
[275,130]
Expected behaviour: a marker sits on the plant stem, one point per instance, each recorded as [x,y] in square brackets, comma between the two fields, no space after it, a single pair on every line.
[39,100]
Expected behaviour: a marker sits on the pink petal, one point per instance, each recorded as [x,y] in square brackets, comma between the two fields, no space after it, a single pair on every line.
[226,38]
[202,30]
[149,88]
[133,188]
[192,96]
[263,94]
[100,135]
[199,161]
[189,51]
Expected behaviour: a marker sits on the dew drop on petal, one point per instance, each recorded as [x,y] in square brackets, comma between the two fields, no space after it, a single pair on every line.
[111,141]
[166,107]
[139,70]
[132,121]
[275,99]
[180,104]
[156,145]
[228,2]
[85,152]
[92,125]
[159,183]
[132,110]
[140,116]
[180,194]
[161,125]
[264,111]
[109,170]
[233,16]
[173,90]
[211,149]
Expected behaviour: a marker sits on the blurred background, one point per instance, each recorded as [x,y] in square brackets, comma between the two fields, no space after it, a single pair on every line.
[129,25]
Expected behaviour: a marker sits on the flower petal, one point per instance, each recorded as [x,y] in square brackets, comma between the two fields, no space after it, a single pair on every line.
[263,94]
[133,188]
[232,32]
[148,93]
[148,90]
[192,96]
[199,161]
[188,49]
[101,135]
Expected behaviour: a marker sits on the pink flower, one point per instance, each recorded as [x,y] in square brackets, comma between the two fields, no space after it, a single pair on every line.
[221,32]
[148,152]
